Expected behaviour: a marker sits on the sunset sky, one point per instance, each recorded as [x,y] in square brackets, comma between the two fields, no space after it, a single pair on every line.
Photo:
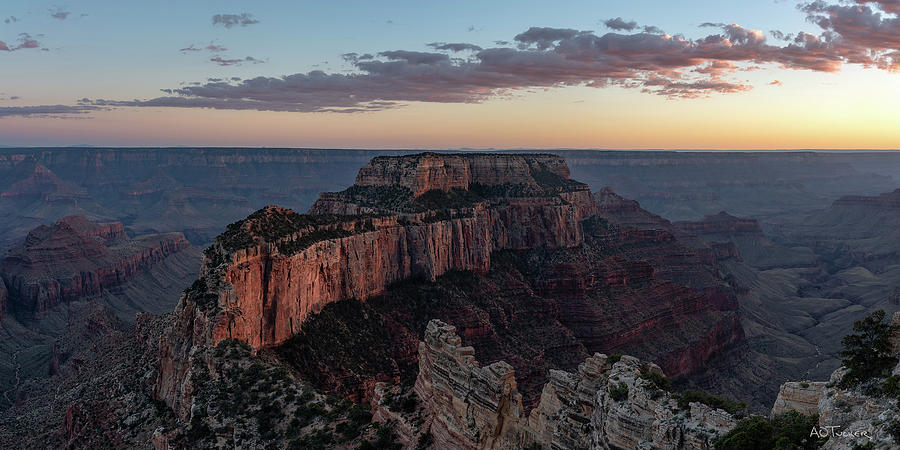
[749,74]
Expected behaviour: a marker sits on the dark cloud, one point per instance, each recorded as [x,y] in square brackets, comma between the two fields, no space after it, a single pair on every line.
[216,48]
[454,46]
[59,13]
[25,41]
[620,24]
[544,37]
[232,20]
[11,19]
[59,111]
[856,32]
[353,58]
[410,57]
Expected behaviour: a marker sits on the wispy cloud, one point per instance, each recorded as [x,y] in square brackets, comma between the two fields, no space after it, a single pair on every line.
[59,13]
[47,111]
[11,19]
[233,20]
[24,41]
[454,46]
[631,56]
[235,62]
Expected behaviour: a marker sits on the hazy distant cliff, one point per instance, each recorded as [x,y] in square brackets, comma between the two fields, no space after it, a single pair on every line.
[76,258]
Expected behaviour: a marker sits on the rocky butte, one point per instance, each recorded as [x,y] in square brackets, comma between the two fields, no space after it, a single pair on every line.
[76,258]
[424,216]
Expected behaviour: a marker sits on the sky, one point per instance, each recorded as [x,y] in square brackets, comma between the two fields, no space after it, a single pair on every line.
[741,74]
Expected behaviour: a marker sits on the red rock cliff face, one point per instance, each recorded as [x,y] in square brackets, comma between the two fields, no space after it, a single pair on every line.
[262,292]
[631,288]
[76,258]
[272,294]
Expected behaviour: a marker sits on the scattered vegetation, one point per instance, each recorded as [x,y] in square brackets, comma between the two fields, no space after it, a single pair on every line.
[405,403]
[868,352]
[894,430]
[790,430]
[891,387]
[618,392]
[614,358]
[264,403]
[200,293]
[384,439]
[658,383]
[688,396]
[426,440]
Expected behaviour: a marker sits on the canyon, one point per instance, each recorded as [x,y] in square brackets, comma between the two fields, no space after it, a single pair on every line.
[595,286]
[70,282]
[383,294]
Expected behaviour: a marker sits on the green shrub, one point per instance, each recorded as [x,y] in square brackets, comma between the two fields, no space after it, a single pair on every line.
[614,358]
[661,382]
[426,440]
[868,353]
[790,430]
[619,392]
[689,396]
[891,386]
[894,430]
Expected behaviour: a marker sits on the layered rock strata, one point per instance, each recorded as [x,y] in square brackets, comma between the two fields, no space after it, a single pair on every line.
[722,223]
[76,258]
[801,396]
[605,404]
[271,284]
[267,275]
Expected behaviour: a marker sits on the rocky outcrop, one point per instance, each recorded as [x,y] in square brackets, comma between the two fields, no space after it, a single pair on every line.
[474,406]
[76,258]
[605,404]
[868,413]
[801,396]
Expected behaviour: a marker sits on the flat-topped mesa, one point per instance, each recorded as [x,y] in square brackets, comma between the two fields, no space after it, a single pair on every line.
[428,171]
[888,200]
[269,272]
[429,181]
